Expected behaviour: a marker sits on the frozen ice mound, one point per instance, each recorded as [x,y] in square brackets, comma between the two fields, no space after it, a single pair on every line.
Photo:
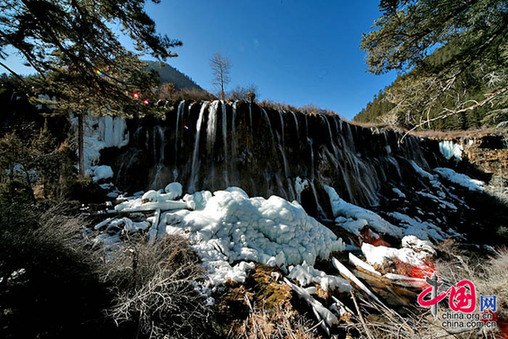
[232,228]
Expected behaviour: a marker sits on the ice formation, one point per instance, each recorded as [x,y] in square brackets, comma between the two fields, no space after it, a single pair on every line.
[230,231]
[230,227]
[460,179]
[100,172]
[307,275]
[449,149]
[102,132]
[353,218]
[414,252]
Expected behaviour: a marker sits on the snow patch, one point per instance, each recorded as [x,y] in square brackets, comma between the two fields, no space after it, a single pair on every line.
[353,218]
[416,253]
[460,179]
[421,229]
[100,172]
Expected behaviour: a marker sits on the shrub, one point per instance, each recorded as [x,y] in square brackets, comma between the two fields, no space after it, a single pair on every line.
[154,287]
[48,283]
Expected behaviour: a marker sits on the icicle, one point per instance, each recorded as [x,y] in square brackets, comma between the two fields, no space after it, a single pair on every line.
[225,141]
[179,113]
[296,123]
[108,130]
[233,137]
[211,128]
[195,163]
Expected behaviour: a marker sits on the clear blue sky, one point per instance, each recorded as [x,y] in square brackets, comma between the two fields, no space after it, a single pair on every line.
[298,52]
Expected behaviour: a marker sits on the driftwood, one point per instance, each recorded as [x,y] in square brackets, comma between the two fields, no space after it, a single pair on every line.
[346,273]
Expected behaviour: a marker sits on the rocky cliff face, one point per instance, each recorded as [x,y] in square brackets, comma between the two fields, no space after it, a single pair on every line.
[213,145]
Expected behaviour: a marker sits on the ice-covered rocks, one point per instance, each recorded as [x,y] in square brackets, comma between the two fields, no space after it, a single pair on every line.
[414,252]
[153,200]
[100,172]
[460,179]
[306,275]
[354,218]
[232,228]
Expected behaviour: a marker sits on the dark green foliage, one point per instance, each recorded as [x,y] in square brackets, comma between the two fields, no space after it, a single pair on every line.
[457,57]
[78,56]
[375,108]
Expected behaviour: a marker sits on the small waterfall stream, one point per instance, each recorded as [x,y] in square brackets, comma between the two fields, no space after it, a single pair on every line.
[266,152]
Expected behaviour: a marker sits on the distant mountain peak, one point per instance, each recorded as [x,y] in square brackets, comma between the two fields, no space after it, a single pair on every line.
[168,73]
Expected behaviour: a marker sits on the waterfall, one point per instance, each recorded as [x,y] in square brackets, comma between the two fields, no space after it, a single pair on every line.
[296,123]
[211,128]
[250,150]
[268,121]
[179,114]
[282,146]
[158,156]
[233,138]
[195,153]
[225,141]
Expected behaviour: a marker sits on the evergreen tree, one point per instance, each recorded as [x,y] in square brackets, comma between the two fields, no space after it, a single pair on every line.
[456,51]
[77,55]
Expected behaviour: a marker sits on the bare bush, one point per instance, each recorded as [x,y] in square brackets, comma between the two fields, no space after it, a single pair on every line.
[248,93]
[155,291]
[48,275]
[192,94]
[281,322]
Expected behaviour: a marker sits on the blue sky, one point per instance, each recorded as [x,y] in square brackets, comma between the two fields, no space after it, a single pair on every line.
[297,52]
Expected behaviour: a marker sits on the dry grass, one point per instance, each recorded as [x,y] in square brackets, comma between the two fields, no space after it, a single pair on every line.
[155,292]
[489,278]
[306,109]
[281,322]
[488,275]
[442,135]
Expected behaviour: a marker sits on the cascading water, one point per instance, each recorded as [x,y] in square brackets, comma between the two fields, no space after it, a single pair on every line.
[179,114]
[233,139]
[195,153]
[225,142]
[264,152]
[158,139]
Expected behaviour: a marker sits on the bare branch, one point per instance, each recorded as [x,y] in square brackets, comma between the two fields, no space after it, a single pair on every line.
[453,112]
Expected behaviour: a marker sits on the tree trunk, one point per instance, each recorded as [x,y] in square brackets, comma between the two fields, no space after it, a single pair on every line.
[81,146]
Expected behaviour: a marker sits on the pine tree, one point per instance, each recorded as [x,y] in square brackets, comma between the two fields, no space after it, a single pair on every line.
[79,58]
[455,51]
